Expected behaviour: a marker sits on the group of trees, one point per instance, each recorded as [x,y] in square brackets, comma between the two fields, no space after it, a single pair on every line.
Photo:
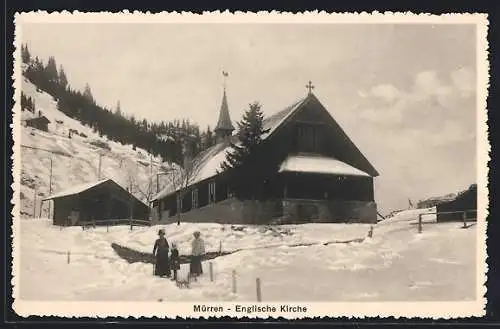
[160,139]
[27,103]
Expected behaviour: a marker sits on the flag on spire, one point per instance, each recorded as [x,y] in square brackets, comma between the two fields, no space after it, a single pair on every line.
[224,73]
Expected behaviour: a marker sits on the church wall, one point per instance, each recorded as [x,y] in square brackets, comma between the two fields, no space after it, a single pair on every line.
[226,211]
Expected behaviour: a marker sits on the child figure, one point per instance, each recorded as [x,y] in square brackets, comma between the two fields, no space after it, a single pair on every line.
[175,260]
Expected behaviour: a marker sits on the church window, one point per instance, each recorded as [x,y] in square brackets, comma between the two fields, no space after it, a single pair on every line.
[211,192]
[307,136]
[179,202]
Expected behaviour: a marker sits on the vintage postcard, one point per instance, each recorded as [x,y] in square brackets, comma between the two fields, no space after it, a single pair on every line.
[250,165]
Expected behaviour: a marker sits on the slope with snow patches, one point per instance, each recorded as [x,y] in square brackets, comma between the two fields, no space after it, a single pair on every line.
[396,264]
[75,160]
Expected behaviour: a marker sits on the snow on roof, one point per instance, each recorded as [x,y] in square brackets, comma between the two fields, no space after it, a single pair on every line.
[321,165]
[209,162]
[26,115]
[275,120]
[76,189]
[206,165]
[212,164]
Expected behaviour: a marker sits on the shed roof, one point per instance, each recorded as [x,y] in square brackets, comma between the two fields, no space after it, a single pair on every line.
[85,187]
[43,118]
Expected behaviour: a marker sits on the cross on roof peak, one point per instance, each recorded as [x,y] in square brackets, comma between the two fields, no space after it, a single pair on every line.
[309,87]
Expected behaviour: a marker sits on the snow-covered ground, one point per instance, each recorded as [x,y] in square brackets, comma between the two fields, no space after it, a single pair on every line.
[75,160]
[397,264]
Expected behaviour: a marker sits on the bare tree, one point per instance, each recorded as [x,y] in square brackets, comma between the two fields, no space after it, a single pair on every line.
[181,178]
[146,192]
[131,179]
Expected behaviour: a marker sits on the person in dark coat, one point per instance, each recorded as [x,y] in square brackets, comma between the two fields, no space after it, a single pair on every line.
[160,251]
[175,263]
[197,252]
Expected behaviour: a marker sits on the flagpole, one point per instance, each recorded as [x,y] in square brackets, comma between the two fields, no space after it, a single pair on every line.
[225,75]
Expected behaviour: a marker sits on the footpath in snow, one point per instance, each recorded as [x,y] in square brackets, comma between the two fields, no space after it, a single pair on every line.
[397,264]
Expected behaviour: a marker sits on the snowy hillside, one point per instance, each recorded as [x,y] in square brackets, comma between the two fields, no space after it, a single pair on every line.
[75,160]
[395,264]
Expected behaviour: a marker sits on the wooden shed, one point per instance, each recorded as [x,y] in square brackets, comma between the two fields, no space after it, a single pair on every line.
[41,123]
[453,210]
[99,201]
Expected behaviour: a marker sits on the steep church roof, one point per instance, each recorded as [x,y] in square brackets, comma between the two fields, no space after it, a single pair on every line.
[208,163]
[224,122]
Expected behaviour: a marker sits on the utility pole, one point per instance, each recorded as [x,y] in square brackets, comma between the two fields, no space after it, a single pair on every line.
[50,178]
[150,187]
[34,203]
[99,169]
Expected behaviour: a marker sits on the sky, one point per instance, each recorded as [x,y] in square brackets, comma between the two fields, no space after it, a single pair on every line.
[404,93]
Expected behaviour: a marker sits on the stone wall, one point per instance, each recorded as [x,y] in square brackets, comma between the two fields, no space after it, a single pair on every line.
[255,212]
[329,211]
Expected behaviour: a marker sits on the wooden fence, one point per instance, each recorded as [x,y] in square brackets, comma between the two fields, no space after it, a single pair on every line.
[464,213]
[114,222]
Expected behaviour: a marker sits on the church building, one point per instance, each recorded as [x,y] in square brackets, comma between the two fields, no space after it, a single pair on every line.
[319,175]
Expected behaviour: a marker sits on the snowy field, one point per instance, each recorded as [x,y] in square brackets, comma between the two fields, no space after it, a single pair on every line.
[397,264]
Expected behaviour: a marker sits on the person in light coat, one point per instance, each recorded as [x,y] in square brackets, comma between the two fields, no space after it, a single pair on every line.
[197,252]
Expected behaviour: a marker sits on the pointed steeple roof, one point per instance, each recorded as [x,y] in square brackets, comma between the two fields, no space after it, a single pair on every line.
[224,122]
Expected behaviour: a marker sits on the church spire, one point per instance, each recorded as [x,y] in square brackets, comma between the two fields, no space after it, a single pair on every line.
[224,127]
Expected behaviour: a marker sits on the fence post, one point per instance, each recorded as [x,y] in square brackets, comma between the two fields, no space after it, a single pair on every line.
[68,256]
[107,227]
[370,232]
[464,217]
[419,223]
[220,247]
[40,212]
[259,292]
[211,267]
[234,281]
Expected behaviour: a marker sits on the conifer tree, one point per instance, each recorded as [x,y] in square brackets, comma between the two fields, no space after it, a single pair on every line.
[63,80]
[250,130]
[241,161]
[87,93]
[51,71]
[25,54]
[118,110]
